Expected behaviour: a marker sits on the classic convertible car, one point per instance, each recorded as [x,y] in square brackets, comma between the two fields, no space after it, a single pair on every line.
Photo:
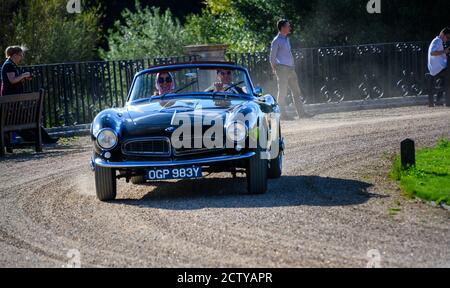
[184,120]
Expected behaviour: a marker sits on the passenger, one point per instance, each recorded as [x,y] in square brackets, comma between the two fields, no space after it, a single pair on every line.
[165,83]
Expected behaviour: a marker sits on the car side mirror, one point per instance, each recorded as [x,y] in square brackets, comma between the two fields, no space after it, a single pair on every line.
[258,91]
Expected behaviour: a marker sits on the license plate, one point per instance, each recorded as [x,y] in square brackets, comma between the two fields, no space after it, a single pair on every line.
[175,173]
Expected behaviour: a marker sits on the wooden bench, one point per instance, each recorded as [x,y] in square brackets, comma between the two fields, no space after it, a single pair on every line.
[21,112]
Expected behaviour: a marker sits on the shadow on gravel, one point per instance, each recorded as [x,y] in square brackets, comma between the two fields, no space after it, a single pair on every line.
[230,193]
[22,155]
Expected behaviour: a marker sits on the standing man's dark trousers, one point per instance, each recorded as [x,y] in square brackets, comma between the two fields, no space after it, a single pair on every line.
[446,75]
[287,78]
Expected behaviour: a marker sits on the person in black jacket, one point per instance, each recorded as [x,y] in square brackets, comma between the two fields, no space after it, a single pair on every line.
[12,83]
[12,80]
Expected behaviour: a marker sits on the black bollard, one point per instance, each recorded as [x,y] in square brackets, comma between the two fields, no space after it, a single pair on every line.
[408,153]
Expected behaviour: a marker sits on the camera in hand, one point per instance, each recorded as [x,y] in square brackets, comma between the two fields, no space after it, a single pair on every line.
[446,45]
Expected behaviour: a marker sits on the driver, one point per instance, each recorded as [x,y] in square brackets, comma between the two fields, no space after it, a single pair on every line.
[165,83]
[224,81]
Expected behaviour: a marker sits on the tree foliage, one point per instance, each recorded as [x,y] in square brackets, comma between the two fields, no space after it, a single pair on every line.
[145,33]
[343,22]
[53,35]
[220,22]
[7,10]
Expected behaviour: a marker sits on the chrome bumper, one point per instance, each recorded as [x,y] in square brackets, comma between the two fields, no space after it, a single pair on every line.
[148,164]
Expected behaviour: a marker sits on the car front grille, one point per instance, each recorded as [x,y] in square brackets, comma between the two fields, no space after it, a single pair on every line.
[158,146]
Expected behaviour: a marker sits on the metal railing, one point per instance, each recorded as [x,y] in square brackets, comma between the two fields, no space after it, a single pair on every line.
[335,74]
[76,92]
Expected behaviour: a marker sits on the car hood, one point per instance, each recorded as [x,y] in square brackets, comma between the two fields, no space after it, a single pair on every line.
[161,112]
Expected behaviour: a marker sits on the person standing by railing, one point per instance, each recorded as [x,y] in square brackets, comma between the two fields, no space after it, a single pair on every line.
[437,59]
[283,66]
[13,83]
[12,80]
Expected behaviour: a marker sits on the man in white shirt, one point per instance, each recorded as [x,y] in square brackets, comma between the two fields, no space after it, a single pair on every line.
[437,59]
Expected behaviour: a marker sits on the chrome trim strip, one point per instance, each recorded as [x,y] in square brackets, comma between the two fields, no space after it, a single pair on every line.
[195,151]
[144,164]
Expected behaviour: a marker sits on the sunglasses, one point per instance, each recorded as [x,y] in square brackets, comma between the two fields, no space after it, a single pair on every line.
[168,79]
[225,73]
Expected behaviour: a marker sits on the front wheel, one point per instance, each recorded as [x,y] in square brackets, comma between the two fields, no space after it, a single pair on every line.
[257,174]
[105,183]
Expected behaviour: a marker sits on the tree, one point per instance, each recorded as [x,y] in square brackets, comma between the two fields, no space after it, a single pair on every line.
[220,22]
[344,22]
[53,35]
[7,10]
[146,33]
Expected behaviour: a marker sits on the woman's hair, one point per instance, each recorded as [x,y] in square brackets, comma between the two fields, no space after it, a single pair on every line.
[13,50]
[158,86]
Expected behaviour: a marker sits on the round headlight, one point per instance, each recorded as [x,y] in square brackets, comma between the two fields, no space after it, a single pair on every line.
[237,131]
[107,139]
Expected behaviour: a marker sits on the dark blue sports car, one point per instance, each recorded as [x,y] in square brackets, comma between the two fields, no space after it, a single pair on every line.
[183,120]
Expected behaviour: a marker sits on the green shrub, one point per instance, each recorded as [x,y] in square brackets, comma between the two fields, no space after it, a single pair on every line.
[146,33]
[53,35]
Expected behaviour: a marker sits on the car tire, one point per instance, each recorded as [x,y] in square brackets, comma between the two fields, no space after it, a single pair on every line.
[138,180]
[105,183]
[257,174]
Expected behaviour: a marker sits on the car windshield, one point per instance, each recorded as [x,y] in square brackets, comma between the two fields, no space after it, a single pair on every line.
[195,81]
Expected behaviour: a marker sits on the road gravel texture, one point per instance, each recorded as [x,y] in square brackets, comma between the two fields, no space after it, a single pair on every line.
[334,206]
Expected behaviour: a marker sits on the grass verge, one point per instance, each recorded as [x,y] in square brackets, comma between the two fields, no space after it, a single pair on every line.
[430,178]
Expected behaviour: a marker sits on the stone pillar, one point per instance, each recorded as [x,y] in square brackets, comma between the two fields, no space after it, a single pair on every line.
[207,53]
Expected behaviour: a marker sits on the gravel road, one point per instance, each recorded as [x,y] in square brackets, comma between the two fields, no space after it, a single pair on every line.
[333,205]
